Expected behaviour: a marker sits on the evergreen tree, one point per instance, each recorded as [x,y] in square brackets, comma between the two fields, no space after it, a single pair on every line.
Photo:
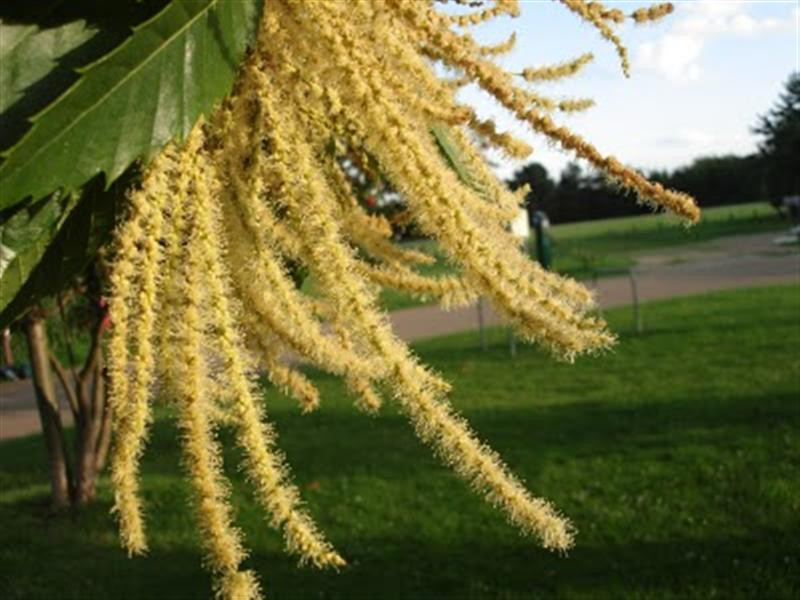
[780,146]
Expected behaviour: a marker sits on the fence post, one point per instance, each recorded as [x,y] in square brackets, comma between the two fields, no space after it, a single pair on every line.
[637,315]
[512,343]
[481,326]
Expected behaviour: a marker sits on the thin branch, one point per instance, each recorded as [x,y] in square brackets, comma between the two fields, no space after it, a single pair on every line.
[104,439]
[67,334]
[99,390]
[63,377]
[94,359]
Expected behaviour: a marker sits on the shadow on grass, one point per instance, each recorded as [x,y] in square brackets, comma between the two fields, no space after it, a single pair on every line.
[762,564]
[473,555]
[533,433]
[677,457]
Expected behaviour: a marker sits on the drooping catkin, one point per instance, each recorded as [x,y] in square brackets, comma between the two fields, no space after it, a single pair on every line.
[205,274]
[190,386]
[596,14]
[264,463]
[287,378]
[559,71]
[652,13]
[431,416]
[131,362]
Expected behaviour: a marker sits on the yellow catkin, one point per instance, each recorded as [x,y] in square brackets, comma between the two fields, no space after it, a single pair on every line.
[463,54]
[597,15]
[434,421]
[190,386]
[501,7]
[367,399]
[290,380]
[495,202]
[559,71]
[262,283]
[131,374]
[266,290]
[652,13]
[376,245]
[511,146]
[335,97]
[451,292]
[571,333]
[608,14]
[503,47]
[369,232]
[265,465]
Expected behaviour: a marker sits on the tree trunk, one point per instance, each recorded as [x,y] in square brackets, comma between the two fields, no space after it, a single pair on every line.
[86,459]
[91,442]
[47,403]
[102,413]
[90,418]
[73,484]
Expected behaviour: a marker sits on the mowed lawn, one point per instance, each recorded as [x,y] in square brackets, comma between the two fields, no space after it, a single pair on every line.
[616,243]
[677,456]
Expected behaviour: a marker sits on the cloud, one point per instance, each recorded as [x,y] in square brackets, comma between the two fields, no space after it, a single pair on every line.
[676,55]
[688,137]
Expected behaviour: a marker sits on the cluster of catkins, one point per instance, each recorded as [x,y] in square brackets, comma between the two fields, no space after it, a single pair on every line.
[202,279]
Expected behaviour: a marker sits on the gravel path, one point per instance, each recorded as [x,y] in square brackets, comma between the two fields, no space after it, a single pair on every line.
[734,262]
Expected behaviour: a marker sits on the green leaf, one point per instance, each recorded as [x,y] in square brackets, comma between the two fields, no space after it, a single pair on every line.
[38,63]
[24,238]
[55,240]
[453,157]
[28,54]
[152,88]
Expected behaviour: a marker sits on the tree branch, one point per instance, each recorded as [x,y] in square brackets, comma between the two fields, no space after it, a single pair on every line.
[63,377]
[67,334]
[93,364]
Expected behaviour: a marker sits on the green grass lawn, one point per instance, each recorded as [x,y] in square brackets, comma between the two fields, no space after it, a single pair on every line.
[615,243]
[677,456]
[612,244]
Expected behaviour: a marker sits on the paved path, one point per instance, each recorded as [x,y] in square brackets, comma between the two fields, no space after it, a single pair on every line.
[734,262]
[18,413]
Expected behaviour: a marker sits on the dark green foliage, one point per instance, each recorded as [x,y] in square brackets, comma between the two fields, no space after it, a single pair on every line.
[677,456]
[43,44]
[150,89]
[542,187]
[24,238]
[718,180]
[583,196]
[87,87]
[70,249]
[780,146]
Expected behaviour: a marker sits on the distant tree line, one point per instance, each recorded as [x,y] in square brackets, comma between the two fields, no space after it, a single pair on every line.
[768,175]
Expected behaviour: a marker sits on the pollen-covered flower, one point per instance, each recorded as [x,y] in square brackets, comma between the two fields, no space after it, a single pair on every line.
[203,268]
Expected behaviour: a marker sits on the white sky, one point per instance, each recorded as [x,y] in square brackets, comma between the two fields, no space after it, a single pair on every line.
[700,77]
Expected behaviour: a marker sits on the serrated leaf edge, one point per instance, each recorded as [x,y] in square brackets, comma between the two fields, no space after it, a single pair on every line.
[33,120]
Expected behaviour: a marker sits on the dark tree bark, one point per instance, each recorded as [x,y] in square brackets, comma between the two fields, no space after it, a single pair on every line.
[47,403]
[72,483]
[90,418]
